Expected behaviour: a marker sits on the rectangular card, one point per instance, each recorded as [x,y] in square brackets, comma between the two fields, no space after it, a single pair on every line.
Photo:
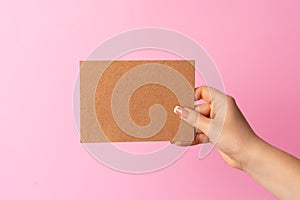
[133,100]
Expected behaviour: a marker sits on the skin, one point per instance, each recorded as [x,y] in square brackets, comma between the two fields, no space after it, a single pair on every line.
[221,122]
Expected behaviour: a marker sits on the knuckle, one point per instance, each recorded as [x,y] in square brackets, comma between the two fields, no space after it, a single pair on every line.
[229,99]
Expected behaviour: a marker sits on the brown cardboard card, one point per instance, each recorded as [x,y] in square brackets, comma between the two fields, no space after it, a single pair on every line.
[124,101]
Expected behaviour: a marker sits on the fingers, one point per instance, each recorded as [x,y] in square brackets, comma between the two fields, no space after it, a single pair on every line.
[202,92]
[204,109]
[206,93]
[200,138]
[193,118]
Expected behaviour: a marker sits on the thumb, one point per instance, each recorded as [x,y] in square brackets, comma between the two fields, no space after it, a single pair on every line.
[193,118]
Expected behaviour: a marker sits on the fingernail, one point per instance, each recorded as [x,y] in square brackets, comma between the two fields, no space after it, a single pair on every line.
[181,112]
[178,110]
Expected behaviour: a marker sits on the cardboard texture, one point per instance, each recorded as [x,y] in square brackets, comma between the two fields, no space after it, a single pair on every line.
[125,101]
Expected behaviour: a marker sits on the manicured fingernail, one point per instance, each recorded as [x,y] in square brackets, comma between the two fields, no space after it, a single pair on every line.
[181,112]
[178,110]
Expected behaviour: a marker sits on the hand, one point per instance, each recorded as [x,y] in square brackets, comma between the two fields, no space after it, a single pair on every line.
[220,121]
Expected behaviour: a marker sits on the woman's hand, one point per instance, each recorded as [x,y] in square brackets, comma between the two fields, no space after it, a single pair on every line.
[220,121]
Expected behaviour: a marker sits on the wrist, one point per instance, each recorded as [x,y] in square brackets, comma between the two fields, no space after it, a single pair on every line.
[253,150]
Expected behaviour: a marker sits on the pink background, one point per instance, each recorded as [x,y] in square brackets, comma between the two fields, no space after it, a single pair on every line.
[255,45]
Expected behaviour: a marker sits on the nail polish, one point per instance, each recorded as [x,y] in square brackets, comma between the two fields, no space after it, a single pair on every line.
[181,112]
[178,110]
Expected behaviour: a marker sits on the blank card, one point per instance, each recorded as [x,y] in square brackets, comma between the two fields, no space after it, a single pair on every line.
[127,101]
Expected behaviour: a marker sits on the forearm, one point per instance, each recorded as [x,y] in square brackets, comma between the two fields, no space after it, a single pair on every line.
[275,170]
